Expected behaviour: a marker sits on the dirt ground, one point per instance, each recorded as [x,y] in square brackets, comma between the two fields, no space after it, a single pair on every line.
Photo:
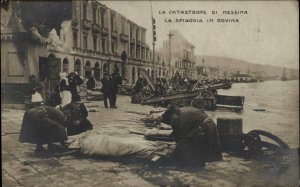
[22,167]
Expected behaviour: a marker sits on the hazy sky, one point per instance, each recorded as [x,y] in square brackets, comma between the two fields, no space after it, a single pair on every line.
[267,34]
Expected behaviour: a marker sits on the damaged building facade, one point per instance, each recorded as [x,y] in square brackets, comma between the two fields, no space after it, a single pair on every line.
[45,38]
[179,54]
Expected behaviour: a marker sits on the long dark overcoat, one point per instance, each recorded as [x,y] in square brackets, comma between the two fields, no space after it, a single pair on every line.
[196,135]
[77,121]
[43,125]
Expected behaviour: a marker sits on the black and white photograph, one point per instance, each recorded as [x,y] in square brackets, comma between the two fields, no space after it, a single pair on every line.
[149,93]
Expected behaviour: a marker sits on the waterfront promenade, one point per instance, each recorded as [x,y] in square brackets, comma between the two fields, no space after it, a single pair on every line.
[22,167]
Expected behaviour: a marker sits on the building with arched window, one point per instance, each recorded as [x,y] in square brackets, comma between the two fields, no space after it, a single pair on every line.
[77,67]
[87,69]
[87,37]
[65,66]
[97,71]
[179,56]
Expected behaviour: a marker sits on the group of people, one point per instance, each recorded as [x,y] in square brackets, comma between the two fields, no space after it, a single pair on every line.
[195,134]
[68,88]
[110,86]
[48,125]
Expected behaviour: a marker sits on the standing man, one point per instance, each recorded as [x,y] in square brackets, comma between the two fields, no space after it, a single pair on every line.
[106,89]
[64,89]
[91,83]
[73,83]
[116,83]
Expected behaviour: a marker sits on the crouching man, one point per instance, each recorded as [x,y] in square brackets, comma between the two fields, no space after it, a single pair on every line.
[195,134]
[77,121]
[46,125]
[43,125]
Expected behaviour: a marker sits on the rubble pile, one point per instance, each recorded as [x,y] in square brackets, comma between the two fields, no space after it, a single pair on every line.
[180,92]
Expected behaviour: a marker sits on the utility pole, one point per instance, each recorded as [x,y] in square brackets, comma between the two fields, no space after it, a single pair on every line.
[154,39]
[170,47]
[154,65]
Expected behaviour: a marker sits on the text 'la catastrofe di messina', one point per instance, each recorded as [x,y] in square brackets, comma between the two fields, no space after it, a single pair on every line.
[202,12]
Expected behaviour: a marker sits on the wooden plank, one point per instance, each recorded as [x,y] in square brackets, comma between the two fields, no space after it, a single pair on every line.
[148,79]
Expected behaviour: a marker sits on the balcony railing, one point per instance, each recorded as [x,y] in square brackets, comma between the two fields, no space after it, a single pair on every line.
[132,40]
[77,50]
[74,22]
[114,34]
[104,30]
[86,24]
[96,28]
[124,37]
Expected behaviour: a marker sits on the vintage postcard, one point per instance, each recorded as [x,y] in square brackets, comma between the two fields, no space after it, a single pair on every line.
[149,93]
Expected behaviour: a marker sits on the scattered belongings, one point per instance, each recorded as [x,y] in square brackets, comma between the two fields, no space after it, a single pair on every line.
[163,126]
[136,132]
[134,112]
[9,133]
[236,102]
[230,135]
[233,139]
[156,111]
[259,109]
[199,95]
[88,106]
[93,110]
[184,94]
[94,97]
[126,90]
[158,135]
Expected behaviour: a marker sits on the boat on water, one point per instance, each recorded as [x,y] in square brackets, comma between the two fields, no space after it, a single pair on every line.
[283,78]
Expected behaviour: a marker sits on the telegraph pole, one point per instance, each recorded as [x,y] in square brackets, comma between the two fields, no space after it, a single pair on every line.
[170,47]
[154,39]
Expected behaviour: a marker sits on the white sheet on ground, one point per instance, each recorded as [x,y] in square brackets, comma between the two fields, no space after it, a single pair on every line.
[102,145]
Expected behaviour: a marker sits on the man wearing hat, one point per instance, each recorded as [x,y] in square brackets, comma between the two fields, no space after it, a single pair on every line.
[116,82]
[106,89]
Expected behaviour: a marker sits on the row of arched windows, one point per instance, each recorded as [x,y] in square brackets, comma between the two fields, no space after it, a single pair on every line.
[87,68]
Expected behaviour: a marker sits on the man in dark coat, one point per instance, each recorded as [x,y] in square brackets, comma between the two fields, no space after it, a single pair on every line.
[77,121]
[91,83]
[116,82]
[43,125]
[74,81]
[106,89]
[34,85]
[195,134]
